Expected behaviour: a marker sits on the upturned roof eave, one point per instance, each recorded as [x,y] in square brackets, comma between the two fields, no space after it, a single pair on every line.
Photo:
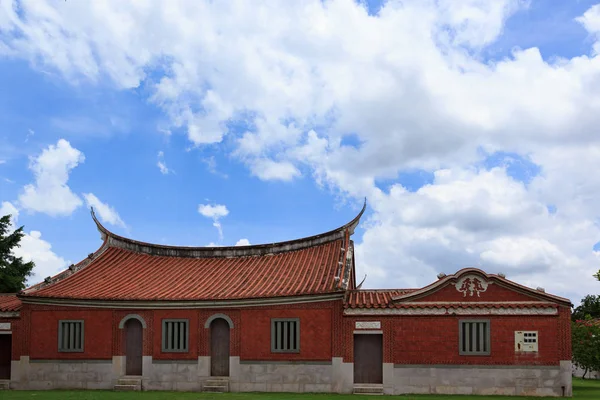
[115,240]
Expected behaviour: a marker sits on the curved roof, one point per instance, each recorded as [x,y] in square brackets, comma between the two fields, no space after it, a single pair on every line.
[115,240]
[127,270]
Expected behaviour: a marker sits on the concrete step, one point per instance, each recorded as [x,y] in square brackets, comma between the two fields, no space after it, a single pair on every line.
[125,388]
[4,385]
[129,381]
[215,389]
[371,389]
[220,385]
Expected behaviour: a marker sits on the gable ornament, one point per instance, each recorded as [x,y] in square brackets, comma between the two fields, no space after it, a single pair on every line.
[471,285]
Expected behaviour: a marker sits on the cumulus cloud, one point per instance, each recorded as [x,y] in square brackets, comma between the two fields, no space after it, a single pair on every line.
[50,193]
[411,87]
[242,242]
[34,248]
[591,22]
[7,208]
[214,212]
[106,213]
[266,170]
[162,166]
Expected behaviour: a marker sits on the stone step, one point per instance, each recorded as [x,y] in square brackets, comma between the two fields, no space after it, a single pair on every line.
[4,385]
[374,389]
[124,388]
[215,389]
[216,382]
[129,381]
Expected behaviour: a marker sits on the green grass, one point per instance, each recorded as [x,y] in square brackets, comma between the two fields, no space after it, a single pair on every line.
[583,390]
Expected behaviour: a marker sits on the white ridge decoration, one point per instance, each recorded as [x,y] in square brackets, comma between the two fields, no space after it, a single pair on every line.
[471,284]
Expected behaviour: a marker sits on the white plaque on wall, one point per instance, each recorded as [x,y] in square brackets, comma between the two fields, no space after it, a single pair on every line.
[368,325]
[5,326]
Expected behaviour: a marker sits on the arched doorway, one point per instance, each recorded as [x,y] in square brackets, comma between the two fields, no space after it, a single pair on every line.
[133,347]
[219,347]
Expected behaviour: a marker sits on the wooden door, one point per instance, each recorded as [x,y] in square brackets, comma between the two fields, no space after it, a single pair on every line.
[219,348]
[368,358]
[134,338]
[5,350]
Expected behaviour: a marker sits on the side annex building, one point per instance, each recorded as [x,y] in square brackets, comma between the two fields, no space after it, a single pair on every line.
[281,317]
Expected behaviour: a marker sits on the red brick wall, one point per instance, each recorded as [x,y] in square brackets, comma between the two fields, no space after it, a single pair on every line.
[434,339]
[103,338]
[315,334]
[44,334]
[494,292]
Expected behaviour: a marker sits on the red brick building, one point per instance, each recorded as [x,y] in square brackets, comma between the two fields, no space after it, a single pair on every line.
[286,316]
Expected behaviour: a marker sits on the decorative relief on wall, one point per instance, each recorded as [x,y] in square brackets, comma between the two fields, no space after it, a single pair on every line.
[5,326]
[368,325]
[470,285]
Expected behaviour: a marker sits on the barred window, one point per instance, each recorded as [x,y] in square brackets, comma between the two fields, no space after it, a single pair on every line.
[474,337]
[285,335]
[175,337]
[70,336]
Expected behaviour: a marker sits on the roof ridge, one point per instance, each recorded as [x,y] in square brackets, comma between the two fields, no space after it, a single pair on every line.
[114,240]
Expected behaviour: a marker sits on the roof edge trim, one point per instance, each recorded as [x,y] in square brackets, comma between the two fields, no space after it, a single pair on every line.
[115,240]
[182,304]
[497,279]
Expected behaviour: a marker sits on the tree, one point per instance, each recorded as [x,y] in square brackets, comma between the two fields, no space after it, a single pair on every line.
[586,345]
[597,275]
[590,306]
[13,271]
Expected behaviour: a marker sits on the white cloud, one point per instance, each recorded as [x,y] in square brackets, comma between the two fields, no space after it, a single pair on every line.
[266,170]
[591,22]
[242,242]
[107,213]
[412,87]
[33,248]
[214,212]
[50,193]
[7,208]
[162,166]
[476,218]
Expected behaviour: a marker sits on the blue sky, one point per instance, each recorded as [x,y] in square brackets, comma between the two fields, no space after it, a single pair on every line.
[329,118]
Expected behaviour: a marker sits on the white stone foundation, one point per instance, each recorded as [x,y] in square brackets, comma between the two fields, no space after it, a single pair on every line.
[283,377]
[53,374]
[264,376]
[484,380]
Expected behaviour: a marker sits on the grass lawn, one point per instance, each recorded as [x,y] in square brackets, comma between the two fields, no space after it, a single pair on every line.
[583,390]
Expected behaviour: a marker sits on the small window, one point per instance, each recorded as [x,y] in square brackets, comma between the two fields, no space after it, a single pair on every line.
[175,337]
[285,335]
[474,337]
[70,336]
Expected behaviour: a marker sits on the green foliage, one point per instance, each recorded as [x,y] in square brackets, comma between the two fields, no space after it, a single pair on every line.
[597,275]
[589,307]
[13,271]
[586,344]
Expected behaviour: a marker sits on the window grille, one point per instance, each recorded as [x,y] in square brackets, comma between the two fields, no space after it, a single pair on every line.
[474,337]
[285,335]
[175,336]
[70,336]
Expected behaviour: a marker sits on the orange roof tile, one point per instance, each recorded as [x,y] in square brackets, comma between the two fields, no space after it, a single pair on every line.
[125,269]
[9,303]
[373,298]
[120,274]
